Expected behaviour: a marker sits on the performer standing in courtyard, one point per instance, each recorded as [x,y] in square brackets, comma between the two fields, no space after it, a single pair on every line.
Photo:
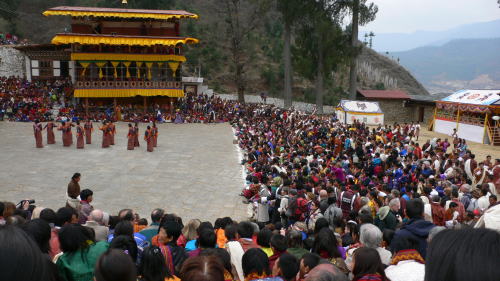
[105,134]
[88,131]
[148,137]
[37,130]
[67,136]
[136,137]
[51,138]
[112,132]
[154,131]
[131,137]
[79,135]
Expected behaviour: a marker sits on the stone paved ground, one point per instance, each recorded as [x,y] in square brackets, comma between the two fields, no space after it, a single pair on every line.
[194,172]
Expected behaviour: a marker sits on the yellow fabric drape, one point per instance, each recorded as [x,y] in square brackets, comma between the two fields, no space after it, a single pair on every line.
[139,64]
[125,57]
[115,64]
[160,64]
[118,14]
[126,93]
[149,65]
[85,65]
[127,64]
[173,66]
[71,38]
[100,65]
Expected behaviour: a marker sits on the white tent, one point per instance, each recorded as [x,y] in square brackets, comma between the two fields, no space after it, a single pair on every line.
[368,112]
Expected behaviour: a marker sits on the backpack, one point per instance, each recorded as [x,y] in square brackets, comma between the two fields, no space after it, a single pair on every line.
[332,214]
[302,210]
[347,199]
[292,206]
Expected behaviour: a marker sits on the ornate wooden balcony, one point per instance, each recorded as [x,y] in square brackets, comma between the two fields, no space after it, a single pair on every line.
[128,85]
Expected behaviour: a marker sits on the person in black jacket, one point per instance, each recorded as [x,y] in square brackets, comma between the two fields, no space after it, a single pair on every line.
[416,228]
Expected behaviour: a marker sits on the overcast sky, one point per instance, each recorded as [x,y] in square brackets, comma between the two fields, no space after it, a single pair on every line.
[406,16]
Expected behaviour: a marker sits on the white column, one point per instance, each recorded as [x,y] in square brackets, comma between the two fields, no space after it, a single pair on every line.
[56,67]
[28,68]
[72,71]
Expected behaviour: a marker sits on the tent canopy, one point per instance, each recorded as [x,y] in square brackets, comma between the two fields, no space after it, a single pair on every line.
[360,106]
[475,97]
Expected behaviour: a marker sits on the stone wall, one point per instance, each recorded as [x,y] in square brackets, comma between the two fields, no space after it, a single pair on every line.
[307,107]
[12,62]
[395,112]
[428,113]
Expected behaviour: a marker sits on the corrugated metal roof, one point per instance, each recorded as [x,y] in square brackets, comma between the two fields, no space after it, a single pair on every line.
[115,10]
[384,94]
[429,98]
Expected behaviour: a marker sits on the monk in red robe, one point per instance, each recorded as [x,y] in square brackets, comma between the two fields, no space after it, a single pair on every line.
[148,137]
[89,128]
[51,138]
[136,138]
[154,131]
[338,146]
[131,137]
[80,132]
[112,132]
[105,135]
[496,175]
[37,130]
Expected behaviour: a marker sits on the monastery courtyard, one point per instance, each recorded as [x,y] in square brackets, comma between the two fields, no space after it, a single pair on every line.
[194,171]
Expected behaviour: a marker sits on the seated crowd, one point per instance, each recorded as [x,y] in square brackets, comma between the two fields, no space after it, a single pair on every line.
[11,39]
[24,101]
[327,201]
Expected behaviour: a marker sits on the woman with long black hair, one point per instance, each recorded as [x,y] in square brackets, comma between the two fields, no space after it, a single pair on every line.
[367,265]
[153,267]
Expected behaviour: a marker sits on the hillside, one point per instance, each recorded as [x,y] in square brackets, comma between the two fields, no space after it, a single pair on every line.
[466,63]
[376,68]
[398,42]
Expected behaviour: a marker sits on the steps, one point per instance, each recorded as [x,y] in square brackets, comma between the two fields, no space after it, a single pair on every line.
[495,136]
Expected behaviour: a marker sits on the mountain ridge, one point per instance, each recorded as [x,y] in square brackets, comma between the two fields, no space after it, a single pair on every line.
[398,42]
[460,63]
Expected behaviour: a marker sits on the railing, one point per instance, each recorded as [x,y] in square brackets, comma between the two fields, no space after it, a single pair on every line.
[128,85]
[431,124]
[488,131]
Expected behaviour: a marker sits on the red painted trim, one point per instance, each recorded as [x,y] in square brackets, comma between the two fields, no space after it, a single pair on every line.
[444,119]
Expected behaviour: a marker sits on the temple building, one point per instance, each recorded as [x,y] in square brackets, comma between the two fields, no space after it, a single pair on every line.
[122,56]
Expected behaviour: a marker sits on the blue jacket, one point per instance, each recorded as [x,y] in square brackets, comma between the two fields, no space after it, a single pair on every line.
[417,229]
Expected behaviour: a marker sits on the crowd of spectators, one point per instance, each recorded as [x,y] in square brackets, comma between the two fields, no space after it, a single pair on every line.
[326,201]
[10,39]
[25,101]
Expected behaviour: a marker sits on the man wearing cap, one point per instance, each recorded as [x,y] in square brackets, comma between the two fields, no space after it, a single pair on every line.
[466,195]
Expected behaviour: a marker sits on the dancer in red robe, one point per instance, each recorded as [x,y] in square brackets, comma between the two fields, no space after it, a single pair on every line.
[154,131]
[148,137]
[88,131]
[37,130]
[80,132]
[51,138]
[67,136]
[131,137]
[112,130]
[105,135]
[136,138]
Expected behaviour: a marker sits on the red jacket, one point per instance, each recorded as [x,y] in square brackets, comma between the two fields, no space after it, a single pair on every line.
[437,214]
